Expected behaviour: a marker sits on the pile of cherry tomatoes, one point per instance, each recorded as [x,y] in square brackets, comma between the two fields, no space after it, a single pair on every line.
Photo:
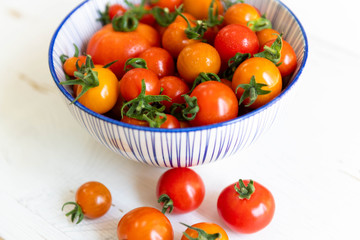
[244,206]
[180,63]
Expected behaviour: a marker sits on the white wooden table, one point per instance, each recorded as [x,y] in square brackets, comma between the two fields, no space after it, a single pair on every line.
[309,159]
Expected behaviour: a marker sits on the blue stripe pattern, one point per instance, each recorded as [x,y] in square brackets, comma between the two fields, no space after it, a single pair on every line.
[174,147]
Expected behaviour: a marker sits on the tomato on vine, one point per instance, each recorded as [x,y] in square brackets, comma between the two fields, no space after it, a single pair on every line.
[145,223]
[204,230]
[180,190]
[256,82]
[92,200]
[246,206]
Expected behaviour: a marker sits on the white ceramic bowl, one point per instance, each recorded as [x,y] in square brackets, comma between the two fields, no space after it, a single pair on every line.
[173,147]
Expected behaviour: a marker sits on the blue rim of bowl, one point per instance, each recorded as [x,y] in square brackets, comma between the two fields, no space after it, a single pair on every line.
[117,122]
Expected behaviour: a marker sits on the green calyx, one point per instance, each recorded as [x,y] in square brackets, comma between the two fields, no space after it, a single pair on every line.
[202,235]
[251,91]
[192,108]
[213,18]
[259,24]
[146,108]
[86,77]
[132,63]
[76,213]
[204,77]
[104,16]
[125,23]
[163,16]
[245,191]
[272,53]
[168,203]
[196,32]
[233,64]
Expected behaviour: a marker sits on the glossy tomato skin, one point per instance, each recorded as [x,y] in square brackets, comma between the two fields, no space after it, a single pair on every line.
[264,72]
[134,121]
[149,33]
[171,122]
[107,45]
[173,87]
[170,4]
[159,61]
[131,83]
[217,103]
[199,9]
[145,223]
[116,10]
[241,13]
[246,215]
[235,38]
[288,58]
[185,188]
[209,228]
[94,199]
[196,58]
[266,35]
[174,38]
[70,64]
[102,98]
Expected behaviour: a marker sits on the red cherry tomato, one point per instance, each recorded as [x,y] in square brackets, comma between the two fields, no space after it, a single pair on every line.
[170,4]
[217,103]
[134,121]
[171,122]
[93,200]
[108,45]
[159,61]
[131,83]
[246,215]
[173,87]
[116,10]
[184,187]
[287,58]
[145,223]
[235,38]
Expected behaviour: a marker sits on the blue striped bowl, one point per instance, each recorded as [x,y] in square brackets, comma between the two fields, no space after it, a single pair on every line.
[173,147]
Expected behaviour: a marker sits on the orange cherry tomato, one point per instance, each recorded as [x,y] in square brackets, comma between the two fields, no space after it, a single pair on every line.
[265,72]
[174,38]
[159,61]
[108,45]
[241,13]
[94,199]
[131,83]
[149,33]
[197,58]
[70,64]
[145,223]
[173,87]
[287,58]
[266,35]
[102,98]
[209,228]
[134,121]
[170,4]
[170,122]
[199,8]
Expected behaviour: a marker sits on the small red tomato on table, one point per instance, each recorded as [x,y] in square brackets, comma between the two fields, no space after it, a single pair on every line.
[246,206]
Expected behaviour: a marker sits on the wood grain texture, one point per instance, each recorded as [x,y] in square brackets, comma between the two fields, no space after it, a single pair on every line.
[309,159]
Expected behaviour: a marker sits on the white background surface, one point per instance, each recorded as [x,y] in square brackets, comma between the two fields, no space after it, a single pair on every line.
[309,159]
